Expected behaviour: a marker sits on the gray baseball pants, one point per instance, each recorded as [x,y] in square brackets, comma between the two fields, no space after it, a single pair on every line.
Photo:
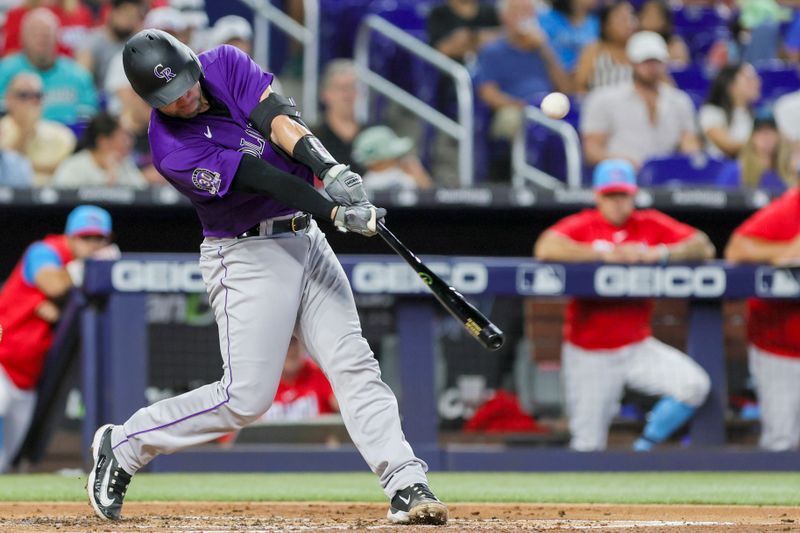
[262,289]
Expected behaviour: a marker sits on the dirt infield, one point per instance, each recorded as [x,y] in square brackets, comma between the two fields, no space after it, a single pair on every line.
[302,517]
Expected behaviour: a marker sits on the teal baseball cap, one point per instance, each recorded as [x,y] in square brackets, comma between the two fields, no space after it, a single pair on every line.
[88,220]
[614,175]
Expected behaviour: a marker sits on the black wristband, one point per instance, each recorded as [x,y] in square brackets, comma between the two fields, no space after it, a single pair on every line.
[309,151]
[257,176]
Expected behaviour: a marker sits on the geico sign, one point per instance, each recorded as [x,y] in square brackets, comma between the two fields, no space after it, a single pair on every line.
[399,278]
[674,281]
[157,276]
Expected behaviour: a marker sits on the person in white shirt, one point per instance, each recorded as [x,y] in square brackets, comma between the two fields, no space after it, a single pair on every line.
[105,159]
[726,118]
[641,120]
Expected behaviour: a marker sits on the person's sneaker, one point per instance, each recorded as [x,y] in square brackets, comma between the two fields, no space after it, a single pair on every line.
[416,504]
[108,482]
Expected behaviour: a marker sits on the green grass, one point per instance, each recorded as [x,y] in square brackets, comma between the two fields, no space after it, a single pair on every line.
[674,488]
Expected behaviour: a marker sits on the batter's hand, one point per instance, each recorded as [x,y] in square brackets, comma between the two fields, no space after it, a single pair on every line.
[344,186]
[362,219]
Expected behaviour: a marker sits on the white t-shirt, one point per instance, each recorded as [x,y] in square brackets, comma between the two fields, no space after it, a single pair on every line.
[739,129]
[787,115]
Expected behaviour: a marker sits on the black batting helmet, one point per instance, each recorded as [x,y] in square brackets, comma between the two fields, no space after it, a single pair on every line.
[160,67]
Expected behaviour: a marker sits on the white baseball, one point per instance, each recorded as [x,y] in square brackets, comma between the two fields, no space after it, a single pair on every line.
[555,105]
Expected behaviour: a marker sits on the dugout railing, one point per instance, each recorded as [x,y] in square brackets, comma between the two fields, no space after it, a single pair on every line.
[115,353]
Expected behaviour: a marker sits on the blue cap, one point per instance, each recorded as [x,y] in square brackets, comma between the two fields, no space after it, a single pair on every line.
[614,175]
[88,220]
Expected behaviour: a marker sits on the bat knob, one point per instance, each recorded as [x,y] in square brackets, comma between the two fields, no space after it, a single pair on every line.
[491,337]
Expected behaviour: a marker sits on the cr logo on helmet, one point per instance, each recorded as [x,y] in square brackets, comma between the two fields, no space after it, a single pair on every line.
[164,73]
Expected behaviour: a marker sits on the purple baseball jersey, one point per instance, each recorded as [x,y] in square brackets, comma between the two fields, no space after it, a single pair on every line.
[200,156]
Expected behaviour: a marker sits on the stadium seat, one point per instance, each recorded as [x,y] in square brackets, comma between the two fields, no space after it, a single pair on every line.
[777,79]
[700,28]
[694,81]
[680,170]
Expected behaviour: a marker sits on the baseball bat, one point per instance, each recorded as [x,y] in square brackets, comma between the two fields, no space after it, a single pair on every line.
[473,320]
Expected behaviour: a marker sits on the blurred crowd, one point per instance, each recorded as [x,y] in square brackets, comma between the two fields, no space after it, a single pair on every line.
[641,91]
[711,82]
[71,118]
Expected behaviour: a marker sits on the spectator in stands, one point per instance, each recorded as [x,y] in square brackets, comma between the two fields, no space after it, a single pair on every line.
[605,62]
[338,95]
[389,161]
[608,343]
[73,17]
[15,170]
[104,158]
[767,161]
[235,31]
[753,37]
[656,15]
[640,120]
[171,21]
[29,306]
[726,119]
[69,94]
[304,391]
[193,12]
[43,142]
[98,48]
[517,68]
[459,28]
[570,26]
[787,115]
[772,235]
[134,117]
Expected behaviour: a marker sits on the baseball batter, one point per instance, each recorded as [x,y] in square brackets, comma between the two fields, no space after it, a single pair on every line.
[608,343]
[772,235]
[243,156]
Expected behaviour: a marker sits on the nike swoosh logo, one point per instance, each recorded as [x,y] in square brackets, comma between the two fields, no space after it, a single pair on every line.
[105,501]
[207,132]
[405,500]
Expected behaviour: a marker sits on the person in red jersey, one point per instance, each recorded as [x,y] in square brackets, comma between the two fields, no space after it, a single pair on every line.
[304,391]
[29,306]
[772,235]
[608,344]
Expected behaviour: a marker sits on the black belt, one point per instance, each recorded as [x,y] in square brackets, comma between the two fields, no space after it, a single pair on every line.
[271,227]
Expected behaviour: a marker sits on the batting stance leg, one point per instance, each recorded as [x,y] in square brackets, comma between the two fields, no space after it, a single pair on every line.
[329,327]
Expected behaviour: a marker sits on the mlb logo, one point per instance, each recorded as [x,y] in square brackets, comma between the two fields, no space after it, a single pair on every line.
[548,280]
[780,283]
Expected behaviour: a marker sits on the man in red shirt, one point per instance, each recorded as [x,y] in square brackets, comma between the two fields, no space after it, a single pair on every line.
[608,343]
[772,235]
[29,306]
[304,391]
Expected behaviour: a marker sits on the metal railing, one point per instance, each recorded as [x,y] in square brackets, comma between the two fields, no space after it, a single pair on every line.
[461,130]
[307,35]
[523,171]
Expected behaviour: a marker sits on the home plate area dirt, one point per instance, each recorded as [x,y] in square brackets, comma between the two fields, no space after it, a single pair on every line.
[322,516]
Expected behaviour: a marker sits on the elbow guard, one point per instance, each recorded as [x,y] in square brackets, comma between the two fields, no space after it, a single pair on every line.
[272,106]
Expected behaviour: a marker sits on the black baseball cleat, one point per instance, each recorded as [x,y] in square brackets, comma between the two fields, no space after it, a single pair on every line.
[416,504]
[108,482]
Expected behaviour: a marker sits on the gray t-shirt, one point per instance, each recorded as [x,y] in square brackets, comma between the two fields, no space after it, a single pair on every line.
[102,48]
[622,114]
